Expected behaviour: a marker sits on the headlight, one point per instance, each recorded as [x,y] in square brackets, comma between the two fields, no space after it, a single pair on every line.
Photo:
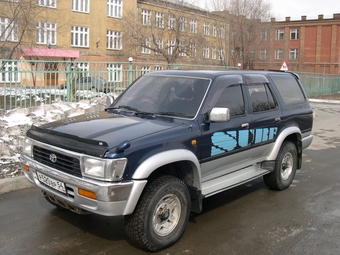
[104,169]
[28,147]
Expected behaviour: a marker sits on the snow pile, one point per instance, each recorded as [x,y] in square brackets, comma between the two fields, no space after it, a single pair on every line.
[15,123]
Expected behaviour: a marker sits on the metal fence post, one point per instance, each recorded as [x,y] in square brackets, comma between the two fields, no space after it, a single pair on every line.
[130,70]
[68,82]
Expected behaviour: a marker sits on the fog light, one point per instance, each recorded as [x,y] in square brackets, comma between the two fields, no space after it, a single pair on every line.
[25,167]
[86,193]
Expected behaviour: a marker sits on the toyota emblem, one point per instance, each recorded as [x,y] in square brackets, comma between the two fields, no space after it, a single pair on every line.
[53,158]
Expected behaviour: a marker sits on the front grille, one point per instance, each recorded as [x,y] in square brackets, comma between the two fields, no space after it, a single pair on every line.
[64,163]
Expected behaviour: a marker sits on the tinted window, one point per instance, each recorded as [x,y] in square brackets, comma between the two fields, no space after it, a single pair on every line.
[289,89]
[261,98]
[232,98]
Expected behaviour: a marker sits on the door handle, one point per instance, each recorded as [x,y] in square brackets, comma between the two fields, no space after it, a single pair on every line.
[277,119]
[245,125]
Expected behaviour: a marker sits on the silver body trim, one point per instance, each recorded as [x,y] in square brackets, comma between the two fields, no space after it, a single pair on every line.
[113,198]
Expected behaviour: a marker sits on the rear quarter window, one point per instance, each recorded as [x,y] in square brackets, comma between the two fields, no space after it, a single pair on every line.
[289,89]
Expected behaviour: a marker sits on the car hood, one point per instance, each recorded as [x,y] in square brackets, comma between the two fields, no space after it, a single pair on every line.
[94,134]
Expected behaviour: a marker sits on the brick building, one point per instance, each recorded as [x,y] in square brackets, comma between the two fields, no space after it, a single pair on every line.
[305,45]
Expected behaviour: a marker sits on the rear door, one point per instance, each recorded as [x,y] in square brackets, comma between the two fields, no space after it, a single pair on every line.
[266,116]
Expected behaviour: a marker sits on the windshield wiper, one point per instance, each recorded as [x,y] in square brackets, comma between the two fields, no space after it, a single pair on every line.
[135,110]
[171,113]
[127,107]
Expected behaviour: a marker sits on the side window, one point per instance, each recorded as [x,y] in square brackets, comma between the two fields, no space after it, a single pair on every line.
[232,98]
[261,98]
[289,89]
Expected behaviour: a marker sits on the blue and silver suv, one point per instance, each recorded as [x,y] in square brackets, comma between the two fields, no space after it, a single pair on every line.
[170,140]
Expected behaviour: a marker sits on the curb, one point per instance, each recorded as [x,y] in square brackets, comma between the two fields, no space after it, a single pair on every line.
[15,183]
[324,101]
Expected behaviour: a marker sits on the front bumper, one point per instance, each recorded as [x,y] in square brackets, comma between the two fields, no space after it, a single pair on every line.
[112,198]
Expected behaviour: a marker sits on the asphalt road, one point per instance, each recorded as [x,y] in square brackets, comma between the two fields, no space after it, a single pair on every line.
[250,219]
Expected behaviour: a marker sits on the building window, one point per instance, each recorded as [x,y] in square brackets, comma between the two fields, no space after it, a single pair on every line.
[113,40]
[80,5]
[279,34]
[181,48]
[146,46]
[221,54]
[206,52]
[83,69]
[145,69]
[263,54]
[115,72]
[214,30]
[264,36]
[293,54]
[171,21]
[251,36]
[79,36]
[193,26]
[159,19]
[46,3]
[159,46]
[146,17]
[9,71]
[46,33]
[279,54]
[170,45]
[182,24]
[213,52]
[115,8]
[294,34]
[158,68]
[222,32]
[206,28]
[192,49]
[8,30]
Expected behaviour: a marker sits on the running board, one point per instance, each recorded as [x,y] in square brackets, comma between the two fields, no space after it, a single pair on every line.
[231,180]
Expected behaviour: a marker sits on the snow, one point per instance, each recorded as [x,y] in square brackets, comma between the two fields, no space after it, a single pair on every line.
[14,124]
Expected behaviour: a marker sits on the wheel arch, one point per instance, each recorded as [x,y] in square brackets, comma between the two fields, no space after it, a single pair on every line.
[172,163]
[180,163]
[292,134]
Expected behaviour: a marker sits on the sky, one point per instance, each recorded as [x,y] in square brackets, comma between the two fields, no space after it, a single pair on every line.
[311,8]
[297,8]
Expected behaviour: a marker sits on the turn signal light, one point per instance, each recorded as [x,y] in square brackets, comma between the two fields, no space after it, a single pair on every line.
[25,167]
[86,193]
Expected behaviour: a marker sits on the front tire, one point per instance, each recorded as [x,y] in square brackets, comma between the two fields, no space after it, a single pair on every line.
[285,168]
[161,214]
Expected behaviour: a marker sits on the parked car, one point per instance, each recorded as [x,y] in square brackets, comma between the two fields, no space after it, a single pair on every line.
[94,83]
[169,141]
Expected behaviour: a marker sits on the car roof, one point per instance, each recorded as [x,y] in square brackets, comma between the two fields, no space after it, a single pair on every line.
[212,74]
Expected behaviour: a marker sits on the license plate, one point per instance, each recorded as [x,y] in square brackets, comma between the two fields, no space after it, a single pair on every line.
[53,183]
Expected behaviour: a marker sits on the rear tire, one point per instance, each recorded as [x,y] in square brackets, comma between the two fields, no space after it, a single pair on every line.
[285,168]
[161,214]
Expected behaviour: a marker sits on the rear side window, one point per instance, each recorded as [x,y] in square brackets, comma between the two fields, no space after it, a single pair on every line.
[289,89]
[261,98]
[232,98]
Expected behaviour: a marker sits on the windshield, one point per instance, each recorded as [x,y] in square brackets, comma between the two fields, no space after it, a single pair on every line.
[164,95]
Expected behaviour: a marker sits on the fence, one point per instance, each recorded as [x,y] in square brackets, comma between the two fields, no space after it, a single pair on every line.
[25,83]
[320,84]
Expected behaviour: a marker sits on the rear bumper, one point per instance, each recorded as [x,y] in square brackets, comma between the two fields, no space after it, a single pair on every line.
[112,198]
[307,141]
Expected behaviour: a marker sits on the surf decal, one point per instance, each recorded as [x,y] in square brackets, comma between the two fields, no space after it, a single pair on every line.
[232,140]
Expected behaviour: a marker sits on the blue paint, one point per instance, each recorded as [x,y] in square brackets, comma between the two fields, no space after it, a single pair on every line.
[231,140]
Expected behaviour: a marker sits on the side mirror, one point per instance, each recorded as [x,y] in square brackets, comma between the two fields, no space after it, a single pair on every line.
[109,101]
[218,114]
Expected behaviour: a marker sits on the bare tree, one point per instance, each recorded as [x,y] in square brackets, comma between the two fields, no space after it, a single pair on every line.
[167,33]
[248,28]
[18,24]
